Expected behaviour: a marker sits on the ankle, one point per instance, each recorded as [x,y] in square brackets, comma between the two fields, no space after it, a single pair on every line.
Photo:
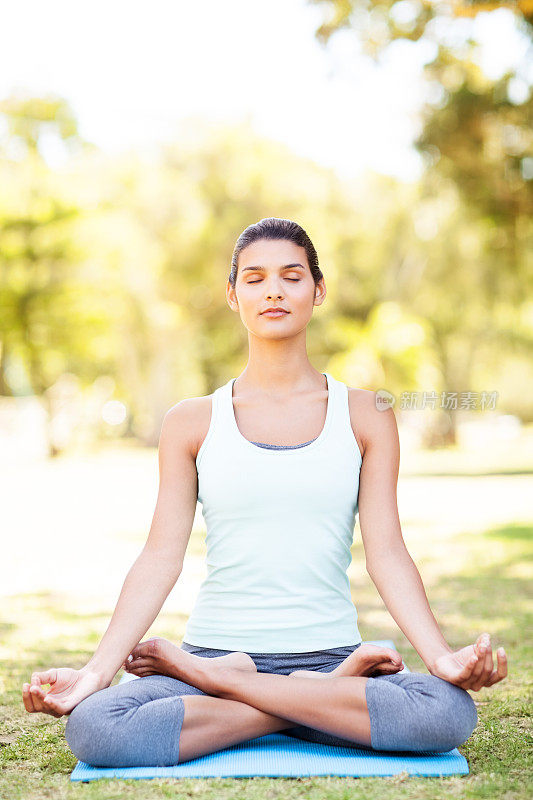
[224,681]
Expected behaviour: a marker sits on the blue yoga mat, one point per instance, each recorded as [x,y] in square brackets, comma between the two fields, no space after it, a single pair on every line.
[276,755]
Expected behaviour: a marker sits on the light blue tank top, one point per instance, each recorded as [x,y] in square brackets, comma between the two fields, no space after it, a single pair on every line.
[279,530]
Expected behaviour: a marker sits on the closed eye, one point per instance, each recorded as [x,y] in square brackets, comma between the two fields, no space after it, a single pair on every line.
[287,279]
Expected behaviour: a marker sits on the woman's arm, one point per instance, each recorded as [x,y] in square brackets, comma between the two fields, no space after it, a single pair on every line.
[388,562]
[157,568]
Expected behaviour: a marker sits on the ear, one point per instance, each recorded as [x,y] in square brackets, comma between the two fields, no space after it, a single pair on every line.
[231,297]
[320,292]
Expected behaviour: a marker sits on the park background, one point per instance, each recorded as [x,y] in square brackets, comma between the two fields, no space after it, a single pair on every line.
[136,143]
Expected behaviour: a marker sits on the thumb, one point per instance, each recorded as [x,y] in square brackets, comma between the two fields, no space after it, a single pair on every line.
[395,656]
[49,676]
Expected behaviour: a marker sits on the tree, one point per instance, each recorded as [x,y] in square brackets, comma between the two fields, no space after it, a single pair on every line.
[476,138]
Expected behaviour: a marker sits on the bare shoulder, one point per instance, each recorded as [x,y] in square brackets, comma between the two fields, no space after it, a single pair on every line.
[370,423]
[189,420]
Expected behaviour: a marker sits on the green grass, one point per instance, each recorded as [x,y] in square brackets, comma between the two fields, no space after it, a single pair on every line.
[476,579]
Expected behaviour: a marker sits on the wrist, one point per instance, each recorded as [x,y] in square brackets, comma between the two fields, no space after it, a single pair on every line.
[431,660]
[101,676]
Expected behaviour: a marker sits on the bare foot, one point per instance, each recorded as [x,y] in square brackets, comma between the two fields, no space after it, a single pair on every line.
[158,656]
[365,661]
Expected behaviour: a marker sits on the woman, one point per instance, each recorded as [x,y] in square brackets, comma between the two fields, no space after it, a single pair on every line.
[282,459]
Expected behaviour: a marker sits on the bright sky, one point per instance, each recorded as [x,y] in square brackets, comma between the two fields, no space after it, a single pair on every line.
[132,70]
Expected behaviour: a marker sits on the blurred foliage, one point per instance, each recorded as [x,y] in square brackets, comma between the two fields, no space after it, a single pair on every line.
[474,203]
[380,22]
[117,267]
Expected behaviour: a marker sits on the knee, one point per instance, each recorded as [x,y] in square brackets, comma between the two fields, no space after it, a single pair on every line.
[418,712]
[454,715]
[83,731]
[77,731]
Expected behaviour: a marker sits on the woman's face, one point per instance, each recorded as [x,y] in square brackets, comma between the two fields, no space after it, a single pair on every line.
[280,277]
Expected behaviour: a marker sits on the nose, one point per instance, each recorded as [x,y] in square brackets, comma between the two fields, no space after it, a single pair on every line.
[271,294]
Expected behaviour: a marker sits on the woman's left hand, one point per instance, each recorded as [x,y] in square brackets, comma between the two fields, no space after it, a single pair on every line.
[472,667]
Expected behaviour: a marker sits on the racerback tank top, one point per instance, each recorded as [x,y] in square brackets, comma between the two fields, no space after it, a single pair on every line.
[279,531]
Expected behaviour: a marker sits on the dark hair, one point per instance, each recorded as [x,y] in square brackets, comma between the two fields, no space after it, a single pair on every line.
[276,228]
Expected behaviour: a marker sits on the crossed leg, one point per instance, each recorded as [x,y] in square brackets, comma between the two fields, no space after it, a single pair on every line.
[160,720]
[246,707]
[410,712]
[213,723]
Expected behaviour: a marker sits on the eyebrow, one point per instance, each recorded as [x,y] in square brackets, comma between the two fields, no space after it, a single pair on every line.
[287,266]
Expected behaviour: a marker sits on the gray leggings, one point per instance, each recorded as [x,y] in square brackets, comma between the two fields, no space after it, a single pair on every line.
[138,723]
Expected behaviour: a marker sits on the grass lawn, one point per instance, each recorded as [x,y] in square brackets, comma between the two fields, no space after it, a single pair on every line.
[468,531]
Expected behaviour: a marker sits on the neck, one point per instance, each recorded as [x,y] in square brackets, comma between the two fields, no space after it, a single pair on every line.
[273,368]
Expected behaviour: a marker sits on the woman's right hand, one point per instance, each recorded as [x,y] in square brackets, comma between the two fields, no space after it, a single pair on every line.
[68,687]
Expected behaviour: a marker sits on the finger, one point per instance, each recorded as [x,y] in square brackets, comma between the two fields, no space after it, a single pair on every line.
[37,697]
[390,669]
[489,664]
[148,647]
[480,644]
[143,664]
[391,660]
[48,676]
[52,706]
[484,667]
[501,670]
[478,670]
[27,698]
[137,670]
[49,707]
[395,656]
[140,648]
[140,662]
[465,673]
[464,677]
[134,670]
[486,652]
[478,675]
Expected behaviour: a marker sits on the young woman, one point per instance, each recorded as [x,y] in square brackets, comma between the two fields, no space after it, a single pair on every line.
[282,459]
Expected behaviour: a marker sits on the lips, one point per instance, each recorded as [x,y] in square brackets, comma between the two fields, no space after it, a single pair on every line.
[275,311]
